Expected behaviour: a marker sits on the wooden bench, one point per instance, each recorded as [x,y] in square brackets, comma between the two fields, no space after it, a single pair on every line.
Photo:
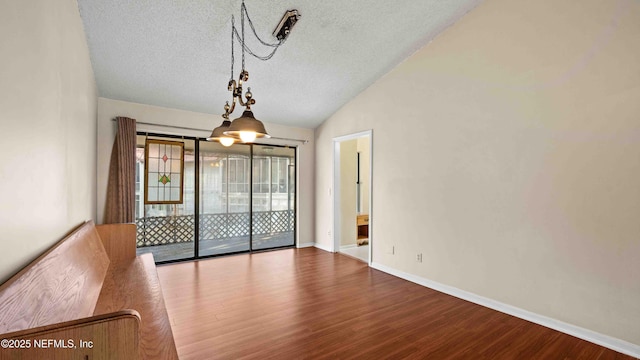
[87,297]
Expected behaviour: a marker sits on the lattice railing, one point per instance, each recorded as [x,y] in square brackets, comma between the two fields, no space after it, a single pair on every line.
[153,231]
[261,223]
[281,221]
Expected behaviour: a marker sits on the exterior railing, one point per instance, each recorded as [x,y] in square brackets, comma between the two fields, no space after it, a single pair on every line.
[162,230]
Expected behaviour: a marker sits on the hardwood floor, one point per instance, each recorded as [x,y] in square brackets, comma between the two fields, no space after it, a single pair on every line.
[311,304]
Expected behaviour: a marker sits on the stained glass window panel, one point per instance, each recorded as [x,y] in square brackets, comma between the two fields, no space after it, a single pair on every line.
[164,172]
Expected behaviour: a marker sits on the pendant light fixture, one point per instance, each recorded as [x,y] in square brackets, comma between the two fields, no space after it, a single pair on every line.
[247,128]
[218,133]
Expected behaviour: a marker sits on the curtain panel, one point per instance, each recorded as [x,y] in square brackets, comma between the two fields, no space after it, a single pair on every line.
[120,204]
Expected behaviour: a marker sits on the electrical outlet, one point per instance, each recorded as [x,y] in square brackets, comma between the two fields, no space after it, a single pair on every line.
[391,250]
[419,257]
[329,233]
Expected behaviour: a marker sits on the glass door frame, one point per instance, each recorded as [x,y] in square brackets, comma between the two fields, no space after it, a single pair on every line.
[268,151]
[197,194]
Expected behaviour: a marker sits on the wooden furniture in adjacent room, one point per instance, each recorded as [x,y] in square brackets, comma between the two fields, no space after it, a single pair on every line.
[87,297]
[362,224]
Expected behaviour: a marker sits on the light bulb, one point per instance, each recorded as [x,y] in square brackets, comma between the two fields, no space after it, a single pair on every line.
[226,141]
[247,136]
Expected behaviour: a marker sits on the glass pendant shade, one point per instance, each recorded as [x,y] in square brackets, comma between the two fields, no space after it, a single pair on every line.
[247,136]
[247,127]
[226,141]
[218,134]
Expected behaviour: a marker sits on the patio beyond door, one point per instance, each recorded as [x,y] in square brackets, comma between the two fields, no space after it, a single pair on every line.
[240,199]
[273,199]
[225,175]
[247,198]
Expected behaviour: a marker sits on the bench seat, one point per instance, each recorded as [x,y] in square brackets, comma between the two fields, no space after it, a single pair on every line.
[91,289]
[142,293]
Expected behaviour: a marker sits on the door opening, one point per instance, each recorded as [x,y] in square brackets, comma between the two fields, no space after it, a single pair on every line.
[352,203]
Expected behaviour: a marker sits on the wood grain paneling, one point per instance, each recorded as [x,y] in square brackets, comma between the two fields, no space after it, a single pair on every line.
[144,294]
[119,241]
[75,280]
[310,304]
[105,337]
[60,285]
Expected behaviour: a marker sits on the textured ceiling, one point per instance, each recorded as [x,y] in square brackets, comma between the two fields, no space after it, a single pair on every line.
[177,54]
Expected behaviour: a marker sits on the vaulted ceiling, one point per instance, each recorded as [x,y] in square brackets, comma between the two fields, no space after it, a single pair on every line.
[177,54]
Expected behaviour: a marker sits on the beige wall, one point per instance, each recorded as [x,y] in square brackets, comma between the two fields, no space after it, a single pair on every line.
[108,109]
[348,162]
[48,108]
[363,149]
[508,152]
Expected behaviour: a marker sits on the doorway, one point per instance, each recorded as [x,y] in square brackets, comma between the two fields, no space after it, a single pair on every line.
[352,202]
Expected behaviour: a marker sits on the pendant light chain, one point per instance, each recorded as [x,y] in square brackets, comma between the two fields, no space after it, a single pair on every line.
[232,51]
[247,128]
[248,49]
[242,42]
[255,33]
[240,36]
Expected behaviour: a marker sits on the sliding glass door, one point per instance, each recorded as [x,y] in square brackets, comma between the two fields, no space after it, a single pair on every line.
[225,175]
[166,230]
[273,201]
[235,199]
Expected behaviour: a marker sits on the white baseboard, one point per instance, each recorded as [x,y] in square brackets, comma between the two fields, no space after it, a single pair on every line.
[305,245]
[351,246]
[579,332]
[323,247]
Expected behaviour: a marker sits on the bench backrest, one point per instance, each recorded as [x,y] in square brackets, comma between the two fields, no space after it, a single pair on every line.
[119,241]
[62,284]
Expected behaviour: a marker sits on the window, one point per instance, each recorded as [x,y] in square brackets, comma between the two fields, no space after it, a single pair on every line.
[164,172]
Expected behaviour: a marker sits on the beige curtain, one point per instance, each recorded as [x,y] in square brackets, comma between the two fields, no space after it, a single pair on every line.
[120,205]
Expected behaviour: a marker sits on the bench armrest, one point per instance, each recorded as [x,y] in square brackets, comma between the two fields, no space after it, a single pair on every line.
[106,336]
